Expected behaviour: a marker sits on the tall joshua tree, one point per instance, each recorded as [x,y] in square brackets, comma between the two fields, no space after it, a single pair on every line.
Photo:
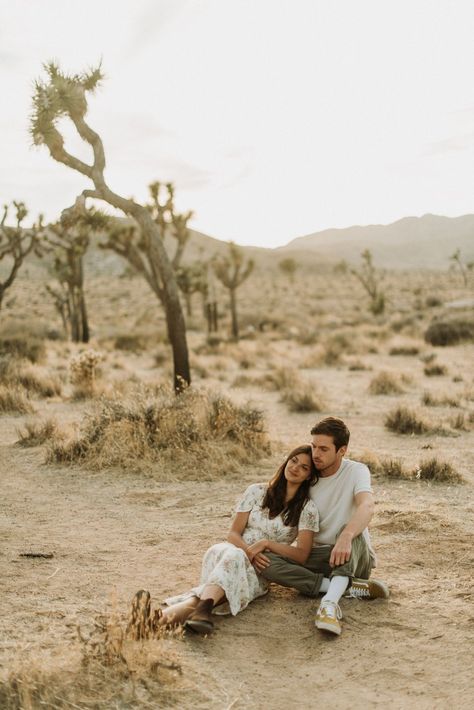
[64,96]
[232,272]
[16,243]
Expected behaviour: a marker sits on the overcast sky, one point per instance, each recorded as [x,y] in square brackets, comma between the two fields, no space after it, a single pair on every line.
[274,118]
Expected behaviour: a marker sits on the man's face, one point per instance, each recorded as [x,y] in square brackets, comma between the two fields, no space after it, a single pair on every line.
[326,458]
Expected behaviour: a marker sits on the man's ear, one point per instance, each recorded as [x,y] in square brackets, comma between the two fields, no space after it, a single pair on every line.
[342,450]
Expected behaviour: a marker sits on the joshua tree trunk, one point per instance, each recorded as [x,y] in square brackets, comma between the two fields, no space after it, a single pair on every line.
[233,313]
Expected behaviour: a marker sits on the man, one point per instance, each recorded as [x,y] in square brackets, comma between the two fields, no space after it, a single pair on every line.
[342,558]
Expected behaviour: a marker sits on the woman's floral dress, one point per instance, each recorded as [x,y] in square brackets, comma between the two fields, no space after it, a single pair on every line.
[229,567]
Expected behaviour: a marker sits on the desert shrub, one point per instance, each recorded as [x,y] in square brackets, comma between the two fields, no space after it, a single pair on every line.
[83,373]
[14,400]
[303,398]
[433,302]
[132,342]
[385,383]
[404,421]
[35,433]
[358,366]
[435,370]
[434,470]
[280,378]
[26,346]
[429,400]
[450,332]
[196,434]
[459,422]
[43,385]
[404,350]
[106,668]
[429,357]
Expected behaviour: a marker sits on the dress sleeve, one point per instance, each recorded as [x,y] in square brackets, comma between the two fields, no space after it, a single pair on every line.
[309,518]
[253,496]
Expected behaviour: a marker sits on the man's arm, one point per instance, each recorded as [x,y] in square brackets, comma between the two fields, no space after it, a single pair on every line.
[359,521]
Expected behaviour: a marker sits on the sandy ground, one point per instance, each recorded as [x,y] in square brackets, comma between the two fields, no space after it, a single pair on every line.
[112,533]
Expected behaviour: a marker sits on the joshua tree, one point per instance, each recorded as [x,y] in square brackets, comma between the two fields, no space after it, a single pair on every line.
[16,243]
[461,266]
[191,279]
[69,240]
[63,96]
[231,272]
[370,279]
[168,220]
[288,266]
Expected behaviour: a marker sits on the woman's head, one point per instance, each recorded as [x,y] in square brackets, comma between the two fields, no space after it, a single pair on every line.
[297,468]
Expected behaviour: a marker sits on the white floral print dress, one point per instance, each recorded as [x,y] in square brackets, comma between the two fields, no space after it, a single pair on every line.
[228,566]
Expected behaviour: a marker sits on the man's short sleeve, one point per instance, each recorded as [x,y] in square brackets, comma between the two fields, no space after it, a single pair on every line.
[362,482]
[309,518]
[253,496]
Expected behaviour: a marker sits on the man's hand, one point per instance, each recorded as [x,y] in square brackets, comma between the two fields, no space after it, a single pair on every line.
[341,551]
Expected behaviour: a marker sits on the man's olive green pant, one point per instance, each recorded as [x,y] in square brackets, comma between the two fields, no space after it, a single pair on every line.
[307,578]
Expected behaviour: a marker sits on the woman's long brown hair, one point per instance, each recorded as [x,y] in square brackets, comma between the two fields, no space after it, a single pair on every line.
[274,498]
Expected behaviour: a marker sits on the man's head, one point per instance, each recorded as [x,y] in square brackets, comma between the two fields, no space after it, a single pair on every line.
[330,440]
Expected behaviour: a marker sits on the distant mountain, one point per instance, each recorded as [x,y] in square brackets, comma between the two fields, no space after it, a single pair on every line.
[411,242]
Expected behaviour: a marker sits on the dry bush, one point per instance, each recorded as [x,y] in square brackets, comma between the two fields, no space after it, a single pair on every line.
[134,342]
[22,343]
[459,422]
[358,366]
[435,370]
[103,669]
[18,374]
[35,433]
[14,400]
[450,332]
[404,350]
[404,421]
[385,383]
[196,434]
[429,400]
[384,467]
[434,470]
[303,398]
[83,373]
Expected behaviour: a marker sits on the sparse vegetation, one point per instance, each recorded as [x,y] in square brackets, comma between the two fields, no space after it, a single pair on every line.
[83,373]
[197,435]
[35,433]
[450,332]
[232,271]
[429,400]
[404,350]
[404,421]
[371,279]
[385,383]
[14,400]
[435,370]
[439,471]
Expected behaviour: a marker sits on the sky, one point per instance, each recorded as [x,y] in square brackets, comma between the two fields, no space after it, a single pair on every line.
[274,118]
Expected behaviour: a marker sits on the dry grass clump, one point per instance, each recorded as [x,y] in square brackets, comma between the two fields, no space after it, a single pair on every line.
[404,350]
[404,421]
[385,383]
[22,345]
[429,400]
[18,374]
[435,370]
[103,669]
[83,373]
[440,471]
[303,397]
[35,433]
[197,434]
[450,332]
[14,400]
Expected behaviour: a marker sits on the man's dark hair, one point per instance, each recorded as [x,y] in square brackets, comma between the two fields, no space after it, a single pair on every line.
[330,426]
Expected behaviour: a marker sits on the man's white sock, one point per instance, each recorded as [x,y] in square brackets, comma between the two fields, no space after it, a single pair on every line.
[337,587]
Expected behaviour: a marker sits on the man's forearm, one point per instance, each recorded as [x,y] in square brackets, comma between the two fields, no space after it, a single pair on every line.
[360,519]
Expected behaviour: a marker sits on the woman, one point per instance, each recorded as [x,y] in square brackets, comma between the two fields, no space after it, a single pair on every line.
[268,518]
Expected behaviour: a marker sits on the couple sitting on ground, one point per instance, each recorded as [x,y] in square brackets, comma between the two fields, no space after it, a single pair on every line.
[306,529]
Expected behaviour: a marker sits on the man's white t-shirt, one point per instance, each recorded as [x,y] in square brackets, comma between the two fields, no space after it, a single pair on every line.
[335,499]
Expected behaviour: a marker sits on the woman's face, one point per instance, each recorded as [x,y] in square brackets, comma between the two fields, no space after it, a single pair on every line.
[298,468]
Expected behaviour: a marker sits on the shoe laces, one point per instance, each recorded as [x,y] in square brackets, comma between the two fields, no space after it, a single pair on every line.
[358,592]
[331,609]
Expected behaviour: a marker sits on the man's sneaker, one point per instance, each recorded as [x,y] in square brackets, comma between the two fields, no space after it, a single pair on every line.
[367,589]
[328,616]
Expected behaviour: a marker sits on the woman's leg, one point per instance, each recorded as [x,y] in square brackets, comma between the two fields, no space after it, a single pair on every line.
[177,613]
[200,619]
